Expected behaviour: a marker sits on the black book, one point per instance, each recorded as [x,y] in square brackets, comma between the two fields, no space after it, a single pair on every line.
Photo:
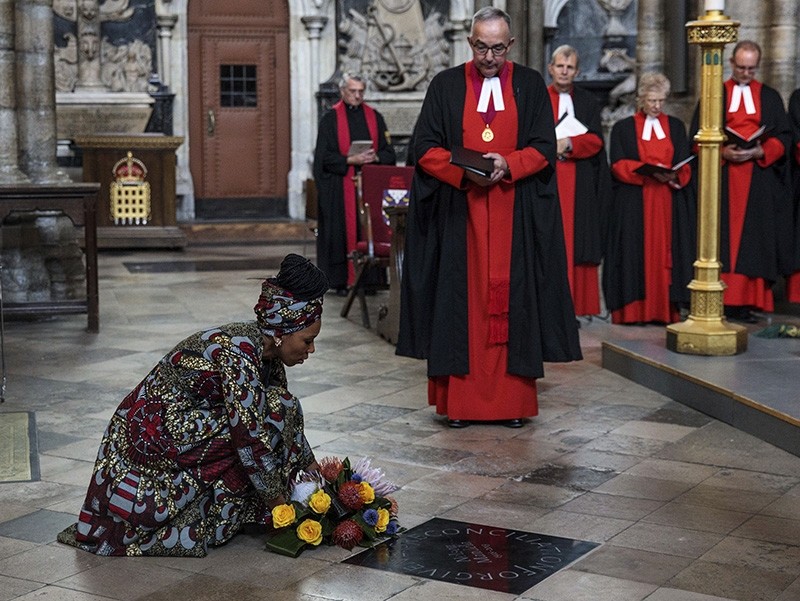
[471,160]
[651,169]
[745,143]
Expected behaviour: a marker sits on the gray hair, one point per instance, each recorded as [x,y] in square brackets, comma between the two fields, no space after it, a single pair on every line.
[351,76]
[567,51]
[490,13]
[651,82]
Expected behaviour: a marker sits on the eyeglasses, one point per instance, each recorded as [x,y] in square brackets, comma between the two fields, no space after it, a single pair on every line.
[482,49]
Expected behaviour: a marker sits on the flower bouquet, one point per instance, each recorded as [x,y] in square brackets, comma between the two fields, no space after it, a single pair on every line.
[339,505]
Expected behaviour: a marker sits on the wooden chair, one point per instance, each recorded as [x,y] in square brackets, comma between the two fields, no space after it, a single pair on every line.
[375,236]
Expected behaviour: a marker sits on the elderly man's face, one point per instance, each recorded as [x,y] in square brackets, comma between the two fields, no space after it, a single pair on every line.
[353,92]
[490,41]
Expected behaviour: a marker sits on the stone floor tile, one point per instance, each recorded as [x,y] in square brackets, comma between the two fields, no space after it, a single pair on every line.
[13,546]
[584,586]
[787,506]
[444,591]
[57,593]
[655,430]
[673,594]
[632,564]
[525,493]
[666,539]
[756,553]
[627,445]
[13,588]
[792,592]
[503,515]
[672,470]
[126,580]
[727,499]
[579,526]
[697,517]
[768,528]
[725,580]
[768,482]
[353,583]
[643,487]
[47,564]
[456,483]
[612,506]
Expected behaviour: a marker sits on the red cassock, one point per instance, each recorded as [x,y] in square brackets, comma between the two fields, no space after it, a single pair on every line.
[583,278]
[657,213]
[487,392]
[743,290]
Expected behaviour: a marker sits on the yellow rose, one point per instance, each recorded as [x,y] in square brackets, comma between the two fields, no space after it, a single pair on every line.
[283,515]
[366,493]
[383,520]
[310,531]
[320,502]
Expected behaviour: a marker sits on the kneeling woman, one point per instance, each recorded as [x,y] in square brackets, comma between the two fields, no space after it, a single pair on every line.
[210,439]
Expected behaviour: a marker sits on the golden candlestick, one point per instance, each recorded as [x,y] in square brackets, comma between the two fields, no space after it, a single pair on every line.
[706,331]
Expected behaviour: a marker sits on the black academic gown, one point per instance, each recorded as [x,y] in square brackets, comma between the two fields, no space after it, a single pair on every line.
[592,185]
[330,167]
[765,249]
[623,269]
[433,314]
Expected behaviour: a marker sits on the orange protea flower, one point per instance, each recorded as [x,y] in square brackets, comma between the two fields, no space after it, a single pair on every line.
[330,468]
[394,508]
[350,495]
[347,534]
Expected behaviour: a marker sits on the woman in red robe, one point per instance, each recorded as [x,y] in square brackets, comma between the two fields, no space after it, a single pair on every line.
[650,237]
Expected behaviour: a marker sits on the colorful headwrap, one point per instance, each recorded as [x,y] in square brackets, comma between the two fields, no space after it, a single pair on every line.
[279,312]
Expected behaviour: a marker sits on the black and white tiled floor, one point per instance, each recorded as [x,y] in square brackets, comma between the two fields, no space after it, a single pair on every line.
[682,507]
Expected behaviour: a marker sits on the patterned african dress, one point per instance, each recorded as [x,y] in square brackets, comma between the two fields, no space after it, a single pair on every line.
[194,451]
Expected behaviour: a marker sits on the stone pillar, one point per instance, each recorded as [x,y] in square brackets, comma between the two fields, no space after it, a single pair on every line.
[9,169]
[535,55]
[650,38]
[314,25]
[166,23]
[781,47]
[36,95]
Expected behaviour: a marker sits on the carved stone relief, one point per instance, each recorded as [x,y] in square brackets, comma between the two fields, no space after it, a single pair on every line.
[398,45]
[91,57]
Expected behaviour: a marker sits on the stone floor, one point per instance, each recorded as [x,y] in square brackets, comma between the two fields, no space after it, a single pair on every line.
[685,508]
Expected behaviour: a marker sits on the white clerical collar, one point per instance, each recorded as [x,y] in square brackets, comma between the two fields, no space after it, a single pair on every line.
[565,105]
[742,92]
[491,88]
[652,124]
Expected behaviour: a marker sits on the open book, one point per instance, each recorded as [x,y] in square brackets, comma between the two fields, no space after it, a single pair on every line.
[471,160]
[359,146]
[651,169]
[746,142]
[569,127]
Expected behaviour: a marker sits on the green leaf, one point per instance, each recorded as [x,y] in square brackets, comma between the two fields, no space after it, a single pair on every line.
[285,542]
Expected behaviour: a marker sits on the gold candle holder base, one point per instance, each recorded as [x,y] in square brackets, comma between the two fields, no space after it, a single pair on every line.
[706,331]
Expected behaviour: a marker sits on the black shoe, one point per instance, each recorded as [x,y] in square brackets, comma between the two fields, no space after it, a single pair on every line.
[457,423]
[513,423]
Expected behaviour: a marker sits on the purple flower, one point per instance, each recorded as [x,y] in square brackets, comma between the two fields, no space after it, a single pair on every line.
[391,527]
[370,517]
[356,478]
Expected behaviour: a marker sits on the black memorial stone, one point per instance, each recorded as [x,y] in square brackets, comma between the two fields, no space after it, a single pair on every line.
[487,557]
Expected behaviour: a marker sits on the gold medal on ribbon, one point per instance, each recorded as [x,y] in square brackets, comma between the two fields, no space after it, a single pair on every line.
[488,134]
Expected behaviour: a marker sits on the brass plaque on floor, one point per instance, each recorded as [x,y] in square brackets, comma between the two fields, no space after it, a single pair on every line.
[487,557]
[18,459]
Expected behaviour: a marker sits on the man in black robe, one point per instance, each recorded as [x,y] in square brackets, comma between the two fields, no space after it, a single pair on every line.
[755,196]
[539,322]
[335,164]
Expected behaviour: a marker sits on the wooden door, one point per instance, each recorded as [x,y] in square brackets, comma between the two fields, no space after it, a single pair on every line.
[239,142]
